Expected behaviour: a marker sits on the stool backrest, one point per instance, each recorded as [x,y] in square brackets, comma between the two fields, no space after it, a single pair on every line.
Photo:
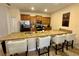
[31,44]
[70,37]
[44,41]
[16,46]
[58,39]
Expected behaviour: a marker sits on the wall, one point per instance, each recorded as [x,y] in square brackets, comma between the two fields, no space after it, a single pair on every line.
[3,21]
[9,20]
[56,19]
[33,14]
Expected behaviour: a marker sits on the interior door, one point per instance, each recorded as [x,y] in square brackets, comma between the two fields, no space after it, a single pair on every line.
[13,24]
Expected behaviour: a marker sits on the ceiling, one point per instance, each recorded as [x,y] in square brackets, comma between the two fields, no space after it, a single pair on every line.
[39,7]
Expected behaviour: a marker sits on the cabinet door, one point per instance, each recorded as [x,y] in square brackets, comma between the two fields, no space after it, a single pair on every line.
[13,25]
[25,17]
[46,20]
[33,19]
[38,18]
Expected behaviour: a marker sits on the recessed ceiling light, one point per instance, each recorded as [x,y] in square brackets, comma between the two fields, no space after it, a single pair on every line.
[33,8]
[45,10]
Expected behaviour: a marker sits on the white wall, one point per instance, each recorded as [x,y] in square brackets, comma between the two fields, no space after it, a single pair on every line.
[3,21]
[9,20]
[56,19]
[34,14]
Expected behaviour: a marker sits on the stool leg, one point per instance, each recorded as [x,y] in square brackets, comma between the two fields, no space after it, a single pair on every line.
[56,49]
[4,47]
[67,46]
[39,52]
[48,50]
[62,47]
[26,53]
[72,44]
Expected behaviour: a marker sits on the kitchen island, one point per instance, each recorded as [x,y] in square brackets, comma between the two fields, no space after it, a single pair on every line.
[25,35]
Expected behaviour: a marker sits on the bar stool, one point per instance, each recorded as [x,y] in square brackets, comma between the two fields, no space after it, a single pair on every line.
[15,47]
[58,43]
[31,44]
[43,43]
[69,40]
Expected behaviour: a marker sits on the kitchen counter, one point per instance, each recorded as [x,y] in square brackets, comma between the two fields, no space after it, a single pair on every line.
[25,35]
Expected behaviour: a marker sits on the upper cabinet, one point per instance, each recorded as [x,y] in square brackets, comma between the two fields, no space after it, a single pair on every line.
[46,20]
[33,19]
[25,17]
[37,18]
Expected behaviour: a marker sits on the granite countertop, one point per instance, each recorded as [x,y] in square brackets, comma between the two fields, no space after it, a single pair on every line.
[24,35]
